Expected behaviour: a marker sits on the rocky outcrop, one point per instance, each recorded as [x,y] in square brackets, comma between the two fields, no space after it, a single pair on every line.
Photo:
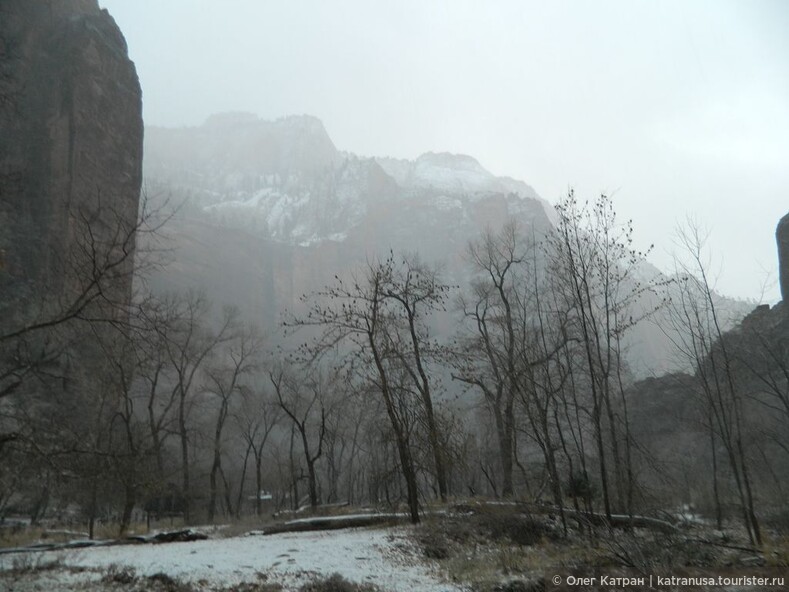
[782,238]
[273,210]
[70,141]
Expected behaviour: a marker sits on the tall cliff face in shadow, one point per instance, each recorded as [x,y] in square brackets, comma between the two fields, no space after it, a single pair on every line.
[70,145]
[782,238]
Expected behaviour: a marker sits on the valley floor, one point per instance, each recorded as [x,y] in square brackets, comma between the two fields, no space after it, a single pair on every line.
[382,557]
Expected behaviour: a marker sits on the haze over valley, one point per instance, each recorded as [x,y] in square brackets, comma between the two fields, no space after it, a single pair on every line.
[273,319]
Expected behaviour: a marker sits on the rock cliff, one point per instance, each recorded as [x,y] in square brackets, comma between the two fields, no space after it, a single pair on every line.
[271,210]
[71,137]
[782,238]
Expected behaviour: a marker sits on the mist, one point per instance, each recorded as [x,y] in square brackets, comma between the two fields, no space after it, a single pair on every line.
[426,296]
[679,109]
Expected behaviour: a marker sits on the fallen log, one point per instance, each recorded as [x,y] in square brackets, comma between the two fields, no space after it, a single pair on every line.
[594,518]
[331,523]
[615,520]
[178,536]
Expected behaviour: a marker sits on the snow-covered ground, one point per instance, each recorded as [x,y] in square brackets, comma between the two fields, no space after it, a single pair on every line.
[384,557]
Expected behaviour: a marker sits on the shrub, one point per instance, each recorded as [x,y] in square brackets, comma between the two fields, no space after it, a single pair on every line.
[517,528]
[119,574]
[161,582]
[336,583]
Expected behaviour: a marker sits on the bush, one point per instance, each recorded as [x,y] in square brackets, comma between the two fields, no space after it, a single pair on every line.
[119,574]
[779,521]
[441,536]
[161,582]
[434,545]
[336,583]
[31,562]
[579,486]
[517,528]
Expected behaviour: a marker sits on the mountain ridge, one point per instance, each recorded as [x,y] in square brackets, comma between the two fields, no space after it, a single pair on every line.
[273,211]
[274,175]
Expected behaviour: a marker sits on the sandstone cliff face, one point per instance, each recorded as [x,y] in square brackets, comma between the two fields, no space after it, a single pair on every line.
[70,141]
[273,210]
[782,237]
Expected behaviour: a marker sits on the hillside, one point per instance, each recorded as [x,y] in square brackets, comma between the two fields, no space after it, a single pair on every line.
[271,210]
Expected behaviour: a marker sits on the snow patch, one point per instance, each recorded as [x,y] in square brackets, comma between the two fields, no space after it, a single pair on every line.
[384,557]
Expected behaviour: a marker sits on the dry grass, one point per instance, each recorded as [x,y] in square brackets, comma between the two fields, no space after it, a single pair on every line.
[30,535]
[776,551]
[27,576]
[499,547]
[336,583]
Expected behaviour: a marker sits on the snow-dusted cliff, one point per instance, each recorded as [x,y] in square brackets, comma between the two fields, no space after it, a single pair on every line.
[285,180]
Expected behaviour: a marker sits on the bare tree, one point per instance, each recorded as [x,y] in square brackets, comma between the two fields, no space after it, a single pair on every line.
[303,402]
[700,338]
[358,316]
[489,358]
[69,352]
[416,291]
[225,381]
[594,272]
[257,418]
[189,342]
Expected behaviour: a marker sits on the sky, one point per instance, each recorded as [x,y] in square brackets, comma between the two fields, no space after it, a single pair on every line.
[675,108]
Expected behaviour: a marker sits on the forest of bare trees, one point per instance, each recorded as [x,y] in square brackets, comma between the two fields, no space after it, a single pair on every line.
[393,388]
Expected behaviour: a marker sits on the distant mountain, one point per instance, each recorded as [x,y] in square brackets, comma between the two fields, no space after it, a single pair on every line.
[273,210]
[286,181]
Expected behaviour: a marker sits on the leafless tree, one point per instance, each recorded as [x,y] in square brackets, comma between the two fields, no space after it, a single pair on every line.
[225,381]
[303,401]
[257,418]
[489,356]
[700,338]
[594,270]
[359,316]
[189,343]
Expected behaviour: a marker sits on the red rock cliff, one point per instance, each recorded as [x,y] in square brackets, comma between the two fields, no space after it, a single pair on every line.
[71,136]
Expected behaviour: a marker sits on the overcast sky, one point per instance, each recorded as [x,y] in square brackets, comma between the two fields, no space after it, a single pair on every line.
[678,108]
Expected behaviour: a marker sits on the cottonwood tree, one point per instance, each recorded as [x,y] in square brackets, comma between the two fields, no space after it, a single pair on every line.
[488,358]
[155,373]
[189,342]
[760,347]
[345,420]
[700,338]
[256,419]
[414,291]
[594,272]
[364,317]
[543,355]
[304,403]
[225,376]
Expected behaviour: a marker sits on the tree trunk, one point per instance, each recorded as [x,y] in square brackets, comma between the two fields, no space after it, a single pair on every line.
[128,508]
[258,480]
[184,457]
[213,486]
[504,432]
[311,480]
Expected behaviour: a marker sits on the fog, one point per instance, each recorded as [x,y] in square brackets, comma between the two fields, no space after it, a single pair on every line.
[337,265]
[676,108]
